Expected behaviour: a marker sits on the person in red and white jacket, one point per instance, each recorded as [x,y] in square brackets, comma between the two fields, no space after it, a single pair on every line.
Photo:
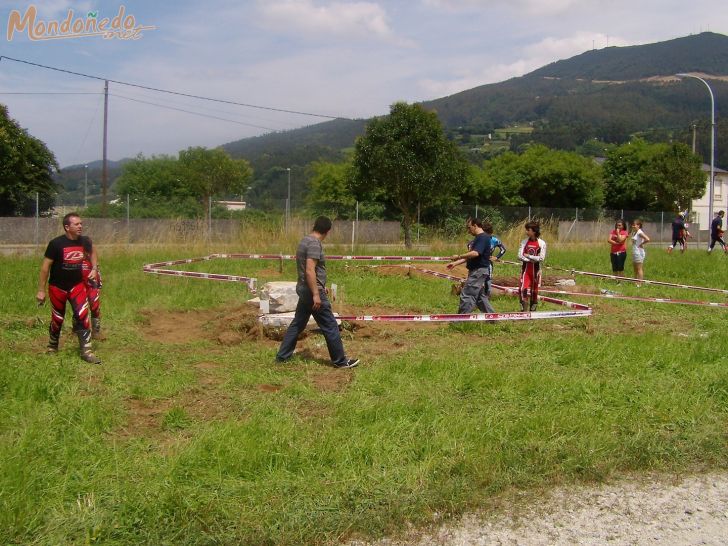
[532,252]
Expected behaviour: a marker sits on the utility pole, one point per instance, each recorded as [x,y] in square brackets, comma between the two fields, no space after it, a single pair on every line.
[711,182]
[104,170]
[288,202]
[695,126]
[85,186]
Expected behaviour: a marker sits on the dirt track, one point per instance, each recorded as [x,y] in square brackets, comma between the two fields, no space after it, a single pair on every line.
[655,510]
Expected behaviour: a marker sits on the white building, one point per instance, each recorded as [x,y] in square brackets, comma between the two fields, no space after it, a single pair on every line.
[700,206]
[233,205]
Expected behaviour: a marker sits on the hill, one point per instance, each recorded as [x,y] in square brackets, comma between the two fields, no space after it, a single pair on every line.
[609,93]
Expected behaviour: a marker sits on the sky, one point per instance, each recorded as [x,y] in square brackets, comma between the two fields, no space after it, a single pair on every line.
[349,59]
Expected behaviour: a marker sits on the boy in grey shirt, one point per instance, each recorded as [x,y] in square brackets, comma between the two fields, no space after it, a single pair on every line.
[312,299]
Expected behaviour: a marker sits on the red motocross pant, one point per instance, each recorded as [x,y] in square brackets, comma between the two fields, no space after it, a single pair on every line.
[78,298]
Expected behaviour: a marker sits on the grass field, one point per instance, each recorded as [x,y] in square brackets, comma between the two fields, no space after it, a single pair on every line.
[189,433]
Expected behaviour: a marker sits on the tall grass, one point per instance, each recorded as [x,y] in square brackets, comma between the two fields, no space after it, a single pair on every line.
[198,442]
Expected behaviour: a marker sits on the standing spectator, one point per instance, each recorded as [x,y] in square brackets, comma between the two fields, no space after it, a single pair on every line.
[639,239]
[679,231]
[618,240]
[477,260]
[532,253]
[716,232]
[312,298]
[63,263]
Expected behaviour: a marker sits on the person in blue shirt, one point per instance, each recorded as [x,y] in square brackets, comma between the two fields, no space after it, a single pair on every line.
[477,260]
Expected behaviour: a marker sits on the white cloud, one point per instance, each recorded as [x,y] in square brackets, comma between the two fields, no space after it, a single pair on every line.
[533,56]
[340,19]
[531,7]
[550,48]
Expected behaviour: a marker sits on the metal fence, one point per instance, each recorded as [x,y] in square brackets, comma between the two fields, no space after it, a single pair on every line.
[360,223]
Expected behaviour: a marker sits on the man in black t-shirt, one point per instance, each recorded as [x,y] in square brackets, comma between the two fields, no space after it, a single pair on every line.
[678,233]
[62,270]
[477,259]
[716,232]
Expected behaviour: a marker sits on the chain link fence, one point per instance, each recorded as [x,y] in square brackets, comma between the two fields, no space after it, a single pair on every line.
[356,223]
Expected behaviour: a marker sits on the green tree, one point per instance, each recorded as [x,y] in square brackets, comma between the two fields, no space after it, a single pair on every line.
[642,176]
[26,168]
[206,173]
[169,186]
[542,177]
[156,177]
[675,176]
[624,187]
[329,190]
[405,160]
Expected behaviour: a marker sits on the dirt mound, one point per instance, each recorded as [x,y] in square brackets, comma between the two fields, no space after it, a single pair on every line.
[227,326]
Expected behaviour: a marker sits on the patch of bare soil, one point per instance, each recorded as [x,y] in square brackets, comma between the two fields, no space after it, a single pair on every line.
[227,326]
[176,326]
[145,417]
[329,379]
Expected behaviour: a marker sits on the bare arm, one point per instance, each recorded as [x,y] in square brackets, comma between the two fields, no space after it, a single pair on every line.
[311,282]
[94,259]
[45,269]
[458,259]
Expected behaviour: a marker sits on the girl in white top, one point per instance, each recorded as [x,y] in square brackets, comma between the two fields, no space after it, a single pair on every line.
[638,252]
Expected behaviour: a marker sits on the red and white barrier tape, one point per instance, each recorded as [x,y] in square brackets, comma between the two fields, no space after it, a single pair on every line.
[339,257]
[638,298]
[508,290]
[177,262]
[514,291]
[250,281]
[626,279]
[478,317]
[582,310]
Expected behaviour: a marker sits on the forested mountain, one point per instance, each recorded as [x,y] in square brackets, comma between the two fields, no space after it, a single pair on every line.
[299,146]
[608,94]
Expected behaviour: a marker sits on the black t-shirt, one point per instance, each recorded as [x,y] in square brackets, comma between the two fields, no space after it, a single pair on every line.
[677,227]
[715,226]
[481,244]
[67,256]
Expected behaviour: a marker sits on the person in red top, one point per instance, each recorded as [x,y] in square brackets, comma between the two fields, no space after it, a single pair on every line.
[618,240]
[531,253]
[62,270]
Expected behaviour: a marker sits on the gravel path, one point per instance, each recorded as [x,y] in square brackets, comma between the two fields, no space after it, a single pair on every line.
[657,510]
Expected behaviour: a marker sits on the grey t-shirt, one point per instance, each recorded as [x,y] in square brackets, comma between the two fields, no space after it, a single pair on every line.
[311,247]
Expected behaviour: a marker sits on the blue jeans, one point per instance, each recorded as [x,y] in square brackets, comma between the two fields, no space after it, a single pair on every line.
[474,292]
[324,317]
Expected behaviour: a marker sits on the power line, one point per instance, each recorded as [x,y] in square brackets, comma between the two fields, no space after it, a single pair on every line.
[172,92]
[193,113]
[45,93]
[204,108]
[88,129]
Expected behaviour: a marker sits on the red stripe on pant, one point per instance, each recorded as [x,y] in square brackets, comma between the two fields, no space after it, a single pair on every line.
[77,297]
[530,281]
